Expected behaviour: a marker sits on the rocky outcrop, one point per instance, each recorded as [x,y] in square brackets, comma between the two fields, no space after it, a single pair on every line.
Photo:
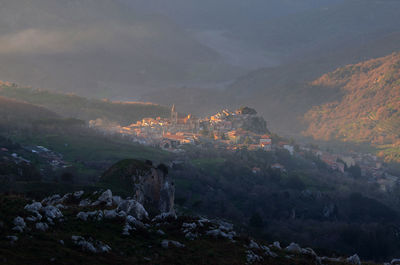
[151,186]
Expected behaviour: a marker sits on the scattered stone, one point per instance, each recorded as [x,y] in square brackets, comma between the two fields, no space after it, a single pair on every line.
[19,224]
[61,242]
[277,245]
[51,200]
[84,216]
[252,257]
[116,200]
[164,216]
[34,207]
[186,227]
[85,203]
[161,232]
[60,206]
[308,251]
[331,259]
[110,214]
[52,212]
[294,248]
[191,236]
[219,233]
[354,260]
[167,243]
[395,261]
[134,208]
[13,239]
[31,219]
[90,246]
[203,221]
[127,229]
[268,252]
[78,194]
[133,221]
[106,197]
[42,226]
[253,245]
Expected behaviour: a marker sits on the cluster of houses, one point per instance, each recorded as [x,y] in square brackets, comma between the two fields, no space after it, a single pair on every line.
[371,167]
[223,129]
[55,160]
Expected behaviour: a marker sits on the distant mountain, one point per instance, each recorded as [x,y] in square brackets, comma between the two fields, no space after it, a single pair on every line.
[73,106]
[368,112]
[14,111]
[283,94]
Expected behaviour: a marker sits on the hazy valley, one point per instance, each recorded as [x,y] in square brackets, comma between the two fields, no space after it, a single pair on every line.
[199,132]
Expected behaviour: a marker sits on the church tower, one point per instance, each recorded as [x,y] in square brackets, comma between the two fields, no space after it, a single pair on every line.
[174,115]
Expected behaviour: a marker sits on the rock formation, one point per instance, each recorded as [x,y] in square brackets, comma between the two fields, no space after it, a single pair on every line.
[151,186]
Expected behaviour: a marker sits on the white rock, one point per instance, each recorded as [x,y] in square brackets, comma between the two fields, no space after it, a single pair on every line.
[191,236]
[34,207]
[51,200]
[161,232]
[252,257]
[127,229]
[12,238]
[167,243]
[253,245]
[106,197]
[163,216]
[294,248]
[110,214]
[395,261]
[331,259]
[42,226]
[19,224]
[97,247]
[187,227]
[85,203]
[31,219]
[60,206]
[52,212]
[19,221]
[84,216]
[277,245]
[308,251]
[61,242]
[18,229]
[219,233]
[203,221]
[134,208]
[116,200]
[78,194]
[354,260]
[133,221]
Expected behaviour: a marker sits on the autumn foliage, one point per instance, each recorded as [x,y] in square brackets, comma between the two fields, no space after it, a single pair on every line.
[369,110]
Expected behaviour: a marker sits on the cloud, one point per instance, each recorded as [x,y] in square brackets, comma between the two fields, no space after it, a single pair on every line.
[41,41]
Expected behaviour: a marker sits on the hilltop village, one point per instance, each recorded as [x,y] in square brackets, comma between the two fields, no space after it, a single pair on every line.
[226,129]
[235,130]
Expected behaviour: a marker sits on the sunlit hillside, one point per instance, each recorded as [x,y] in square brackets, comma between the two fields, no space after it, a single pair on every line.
[369,111]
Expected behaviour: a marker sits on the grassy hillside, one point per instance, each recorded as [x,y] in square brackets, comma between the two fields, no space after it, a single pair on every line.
[70,105]
[12,110]
[369,111]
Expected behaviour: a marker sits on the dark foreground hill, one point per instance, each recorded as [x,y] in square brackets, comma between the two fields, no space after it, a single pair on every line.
[99,228]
